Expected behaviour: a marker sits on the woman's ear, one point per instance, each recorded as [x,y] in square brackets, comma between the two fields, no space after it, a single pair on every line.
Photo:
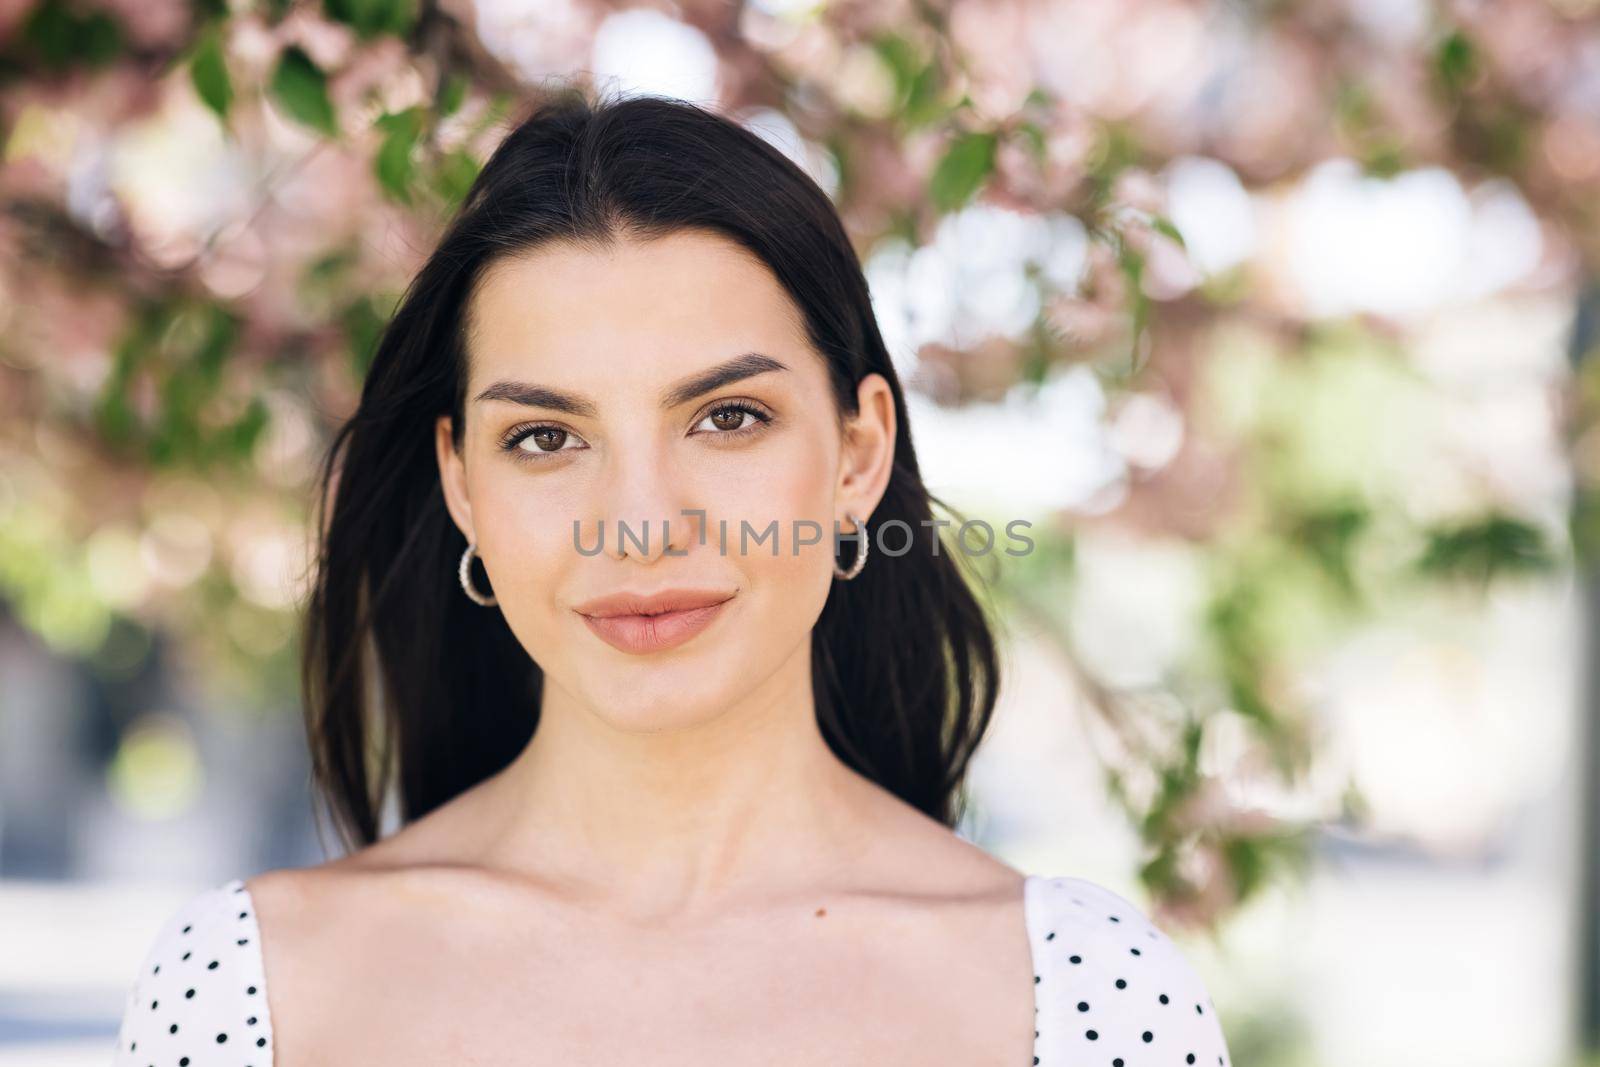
[453,477]
[868,454]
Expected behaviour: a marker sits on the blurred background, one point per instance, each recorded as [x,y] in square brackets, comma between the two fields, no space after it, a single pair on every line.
[1276,319]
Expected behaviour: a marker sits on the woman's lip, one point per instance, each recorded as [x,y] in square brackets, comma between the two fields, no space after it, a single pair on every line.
[639,634]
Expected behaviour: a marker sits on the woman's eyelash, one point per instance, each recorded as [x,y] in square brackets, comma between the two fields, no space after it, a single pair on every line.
[761,416]
[512,440]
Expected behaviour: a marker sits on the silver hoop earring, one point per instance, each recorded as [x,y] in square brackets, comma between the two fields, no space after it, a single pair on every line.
[466,579]
[861,550]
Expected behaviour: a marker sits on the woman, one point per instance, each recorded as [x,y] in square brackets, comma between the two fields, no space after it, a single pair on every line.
[675,782]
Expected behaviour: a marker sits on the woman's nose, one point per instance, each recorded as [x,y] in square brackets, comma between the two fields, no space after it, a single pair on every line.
[646,513]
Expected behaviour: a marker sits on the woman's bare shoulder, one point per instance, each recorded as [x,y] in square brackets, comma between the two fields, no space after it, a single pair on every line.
[331,927]
[932,859]
[316,899]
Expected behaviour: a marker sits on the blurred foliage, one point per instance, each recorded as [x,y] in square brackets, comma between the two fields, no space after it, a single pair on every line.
[191,306]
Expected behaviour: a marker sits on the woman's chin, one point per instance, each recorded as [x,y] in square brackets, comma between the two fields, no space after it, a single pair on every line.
[661,708]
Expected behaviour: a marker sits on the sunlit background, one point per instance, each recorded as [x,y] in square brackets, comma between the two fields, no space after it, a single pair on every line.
[1274,319]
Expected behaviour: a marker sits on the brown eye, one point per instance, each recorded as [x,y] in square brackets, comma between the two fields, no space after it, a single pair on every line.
[728,418]
[549,438]
[734,420]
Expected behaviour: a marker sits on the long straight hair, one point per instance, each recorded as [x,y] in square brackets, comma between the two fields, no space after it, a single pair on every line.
[409,685]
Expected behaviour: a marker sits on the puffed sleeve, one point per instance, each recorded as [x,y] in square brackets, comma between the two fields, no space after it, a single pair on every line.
[200,995]
[1113,989]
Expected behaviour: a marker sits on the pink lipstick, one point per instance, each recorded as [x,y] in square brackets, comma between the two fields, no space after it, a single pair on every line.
[640,623]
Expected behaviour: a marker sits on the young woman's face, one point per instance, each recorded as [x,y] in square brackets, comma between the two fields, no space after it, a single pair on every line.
[594,399]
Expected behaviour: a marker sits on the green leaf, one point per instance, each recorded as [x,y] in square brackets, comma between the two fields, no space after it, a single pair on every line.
[208,69]
[59,36]
[1486,547]
[902,59]
[371,18]
[1456,61]
[1162,224]
[1384,158]
[1328,535]
[924,102]
[394,162]
[49,31]
[967,163]
[101,38]
[918,80]
[114,416]
[454,177]
[363,323]
[241,438]
[451,95]
[302,89]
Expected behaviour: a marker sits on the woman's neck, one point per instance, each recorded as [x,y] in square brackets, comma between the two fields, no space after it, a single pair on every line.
[683,819]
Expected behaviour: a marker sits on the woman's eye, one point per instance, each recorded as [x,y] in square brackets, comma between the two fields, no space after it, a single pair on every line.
[528,441]
[733,419]
[548,440]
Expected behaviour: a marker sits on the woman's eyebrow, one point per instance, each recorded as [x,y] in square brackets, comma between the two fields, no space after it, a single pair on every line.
[735,369]
[698,384]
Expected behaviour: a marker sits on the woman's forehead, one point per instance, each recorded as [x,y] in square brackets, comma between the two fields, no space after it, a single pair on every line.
[643,307]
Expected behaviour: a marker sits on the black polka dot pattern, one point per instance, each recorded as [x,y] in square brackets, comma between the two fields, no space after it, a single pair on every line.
[195,1001]
[1110,987]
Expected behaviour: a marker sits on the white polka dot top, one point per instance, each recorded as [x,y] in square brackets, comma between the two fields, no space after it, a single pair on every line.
[200,999]
[1110,989]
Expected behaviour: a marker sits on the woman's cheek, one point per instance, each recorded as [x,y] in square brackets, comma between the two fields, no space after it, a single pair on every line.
[762,520]
[527,531]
